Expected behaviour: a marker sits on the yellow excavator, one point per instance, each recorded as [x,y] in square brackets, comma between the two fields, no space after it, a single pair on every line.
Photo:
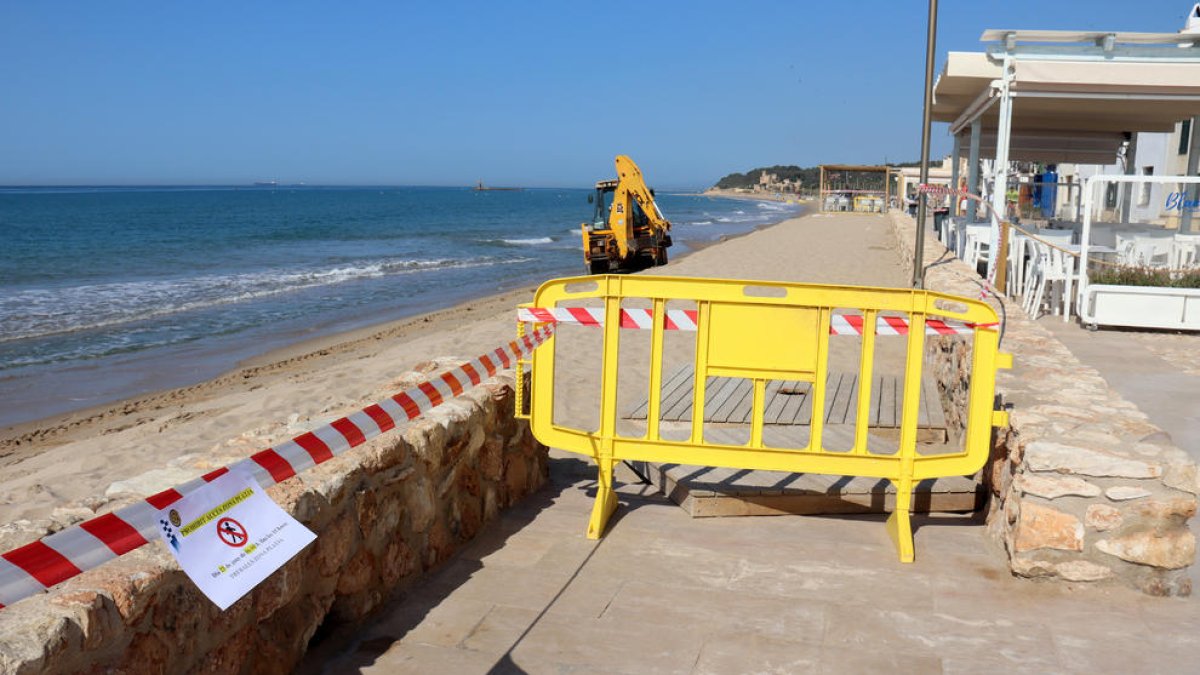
[628,232]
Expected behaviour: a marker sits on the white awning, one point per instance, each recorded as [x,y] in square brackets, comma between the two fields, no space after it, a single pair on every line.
[1071,106]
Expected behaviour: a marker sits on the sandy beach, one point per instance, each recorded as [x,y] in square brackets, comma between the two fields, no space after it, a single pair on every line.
[64,469]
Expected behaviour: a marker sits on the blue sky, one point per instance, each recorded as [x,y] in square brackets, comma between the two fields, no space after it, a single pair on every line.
[527,93]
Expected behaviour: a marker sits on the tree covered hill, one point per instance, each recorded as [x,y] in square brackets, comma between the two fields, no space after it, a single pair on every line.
[809,176]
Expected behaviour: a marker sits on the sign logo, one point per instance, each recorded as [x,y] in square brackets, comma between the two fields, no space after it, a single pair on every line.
[175,519]
[231,532]
[169,532]
[1178,201]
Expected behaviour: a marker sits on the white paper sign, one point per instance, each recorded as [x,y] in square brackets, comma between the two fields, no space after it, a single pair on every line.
[228,537]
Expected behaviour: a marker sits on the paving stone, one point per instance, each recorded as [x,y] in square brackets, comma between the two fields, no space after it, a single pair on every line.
[499,630]
[425,659]
[717,611]
[748,652]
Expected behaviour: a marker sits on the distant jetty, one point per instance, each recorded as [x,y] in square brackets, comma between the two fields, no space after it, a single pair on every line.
[480,187]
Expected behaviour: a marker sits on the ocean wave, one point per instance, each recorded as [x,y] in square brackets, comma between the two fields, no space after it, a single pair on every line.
[701,222]
[769,206]
[531,241]
[41,312]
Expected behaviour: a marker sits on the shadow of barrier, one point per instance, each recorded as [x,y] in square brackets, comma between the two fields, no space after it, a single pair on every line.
[764,333]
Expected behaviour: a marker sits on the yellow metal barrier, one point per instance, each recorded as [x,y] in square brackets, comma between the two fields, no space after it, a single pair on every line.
[781,332]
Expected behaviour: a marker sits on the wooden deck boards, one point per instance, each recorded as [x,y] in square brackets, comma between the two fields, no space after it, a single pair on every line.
[729,401]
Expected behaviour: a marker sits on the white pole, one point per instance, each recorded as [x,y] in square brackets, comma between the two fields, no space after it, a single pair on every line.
[973,168]
[1000,180]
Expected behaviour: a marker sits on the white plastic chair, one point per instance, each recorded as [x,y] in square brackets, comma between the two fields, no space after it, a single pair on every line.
[1017,256]
[1123,242]
[1185,251]
[1056,237]
[1152,250]
[1054,269]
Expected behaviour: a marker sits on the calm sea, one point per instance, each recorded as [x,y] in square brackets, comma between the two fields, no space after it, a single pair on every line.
[106,293]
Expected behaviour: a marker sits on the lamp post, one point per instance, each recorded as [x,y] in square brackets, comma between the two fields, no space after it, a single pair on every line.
[918,280]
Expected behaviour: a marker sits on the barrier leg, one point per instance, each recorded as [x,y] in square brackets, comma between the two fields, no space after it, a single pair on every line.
[606,499]
[899,526]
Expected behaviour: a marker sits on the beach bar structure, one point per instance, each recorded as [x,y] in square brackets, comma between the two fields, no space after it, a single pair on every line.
[848,187]
[1064,97]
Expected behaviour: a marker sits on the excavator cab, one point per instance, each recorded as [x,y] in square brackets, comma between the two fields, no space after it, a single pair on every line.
[628,232]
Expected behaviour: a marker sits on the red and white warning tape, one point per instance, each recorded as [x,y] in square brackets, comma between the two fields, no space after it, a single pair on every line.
[33,568]
[685,320]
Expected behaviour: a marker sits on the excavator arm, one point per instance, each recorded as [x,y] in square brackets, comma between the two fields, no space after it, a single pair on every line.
[632,190]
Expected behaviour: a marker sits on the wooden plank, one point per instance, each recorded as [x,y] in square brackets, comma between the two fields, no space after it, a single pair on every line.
[737,405]
[804,415]
[775,403]
[673,407]
[721,391]
[833,386]
[793,401]
[847,400]
[669,384]
[685,413]
[887,402]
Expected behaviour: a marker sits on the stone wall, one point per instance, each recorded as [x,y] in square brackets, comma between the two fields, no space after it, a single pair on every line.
[1084,488]
[384,513]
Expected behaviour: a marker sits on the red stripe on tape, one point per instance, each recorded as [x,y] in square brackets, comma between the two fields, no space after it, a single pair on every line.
[500,354]
[119,536]
[430,391]
[855,321]
[164,499]
[668,324]
[354,436]
[940,327]
[487,364]
[472,373]
[582,315]
[279,468]
[213,475]
[315,447]
[451,381]
[383,420]
[898,324]
[42,563]
[410,406]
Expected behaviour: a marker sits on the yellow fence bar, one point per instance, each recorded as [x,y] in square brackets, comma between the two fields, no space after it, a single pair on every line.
[763,332]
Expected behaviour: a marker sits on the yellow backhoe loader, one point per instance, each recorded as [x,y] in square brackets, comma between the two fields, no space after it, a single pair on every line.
[628,232]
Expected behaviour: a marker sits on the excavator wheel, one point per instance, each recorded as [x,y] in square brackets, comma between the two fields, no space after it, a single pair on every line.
[661,258]
[597,267]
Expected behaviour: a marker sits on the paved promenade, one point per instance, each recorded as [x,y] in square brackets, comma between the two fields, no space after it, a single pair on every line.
[663,592]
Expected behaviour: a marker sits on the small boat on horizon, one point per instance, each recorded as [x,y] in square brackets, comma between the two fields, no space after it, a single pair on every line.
[480,187]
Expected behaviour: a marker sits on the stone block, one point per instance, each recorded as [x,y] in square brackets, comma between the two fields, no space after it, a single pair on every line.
[1082,570]
[1181,508]
[1124,493]
[1043,527]
[357,573]
[1060,458]
[1172,549]
[1102,517]
[1052,487]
